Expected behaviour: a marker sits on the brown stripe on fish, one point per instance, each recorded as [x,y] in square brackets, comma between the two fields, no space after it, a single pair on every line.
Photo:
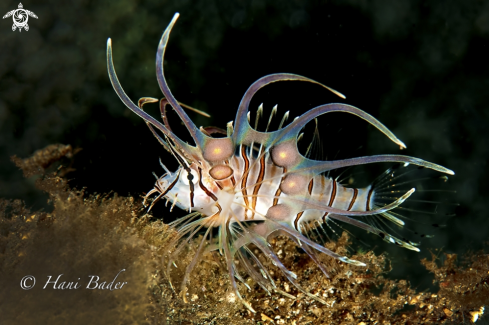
[209,193]
[354,197]
[331,199]
[233,180]
[279,191]
[258,183]
[368,198]
[245,179]
[296,221]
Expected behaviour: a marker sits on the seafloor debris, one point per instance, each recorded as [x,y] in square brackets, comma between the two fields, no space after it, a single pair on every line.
[44,158]
[102,234]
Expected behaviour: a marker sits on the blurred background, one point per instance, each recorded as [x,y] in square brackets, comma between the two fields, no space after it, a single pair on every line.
[419,67]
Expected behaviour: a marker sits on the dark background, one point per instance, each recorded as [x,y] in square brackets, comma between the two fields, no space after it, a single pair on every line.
[419,67]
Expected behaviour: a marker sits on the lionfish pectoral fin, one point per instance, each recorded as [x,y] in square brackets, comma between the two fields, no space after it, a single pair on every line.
[240,279]
[138,111]
[263,270]
[314,257]
[288,295]
[291,232]
[259,277]
[393,219]
[324,166]
[257,235]
[258,238]
[123,96]
[232,272]
[385,236]
[299,123]
[196,134]
[241,124]
[195,259]
[263,245]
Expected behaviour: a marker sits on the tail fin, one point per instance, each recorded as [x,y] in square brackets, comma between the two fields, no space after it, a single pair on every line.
[429,199]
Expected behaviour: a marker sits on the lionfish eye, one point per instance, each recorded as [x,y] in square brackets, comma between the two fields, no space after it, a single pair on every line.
[187,177]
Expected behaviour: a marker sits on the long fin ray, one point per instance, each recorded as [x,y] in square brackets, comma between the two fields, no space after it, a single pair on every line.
[127,101]
[323,166]
[196,134]
[295,127]
[374,230]
[242,127]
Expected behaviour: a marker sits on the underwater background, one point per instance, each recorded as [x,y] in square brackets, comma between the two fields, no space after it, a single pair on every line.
[420,68]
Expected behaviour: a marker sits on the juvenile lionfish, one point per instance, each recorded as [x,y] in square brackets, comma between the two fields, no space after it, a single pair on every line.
[250,185]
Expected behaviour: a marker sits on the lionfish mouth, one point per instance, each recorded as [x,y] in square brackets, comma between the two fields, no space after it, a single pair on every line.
[252,185]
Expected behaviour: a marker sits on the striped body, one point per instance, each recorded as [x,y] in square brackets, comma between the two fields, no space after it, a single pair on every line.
[263,179]
[255,187]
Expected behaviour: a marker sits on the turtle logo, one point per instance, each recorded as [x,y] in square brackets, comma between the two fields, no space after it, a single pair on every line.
[20,17]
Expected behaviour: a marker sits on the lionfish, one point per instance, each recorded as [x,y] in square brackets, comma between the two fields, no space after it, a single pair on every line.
[249,185]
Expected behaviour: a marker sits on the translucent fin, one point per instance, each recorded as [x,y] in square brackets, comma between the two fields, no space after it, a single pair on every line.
[299,123]
[194,131]
[127,101]
[388,238]
[323,166]
[241,123]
